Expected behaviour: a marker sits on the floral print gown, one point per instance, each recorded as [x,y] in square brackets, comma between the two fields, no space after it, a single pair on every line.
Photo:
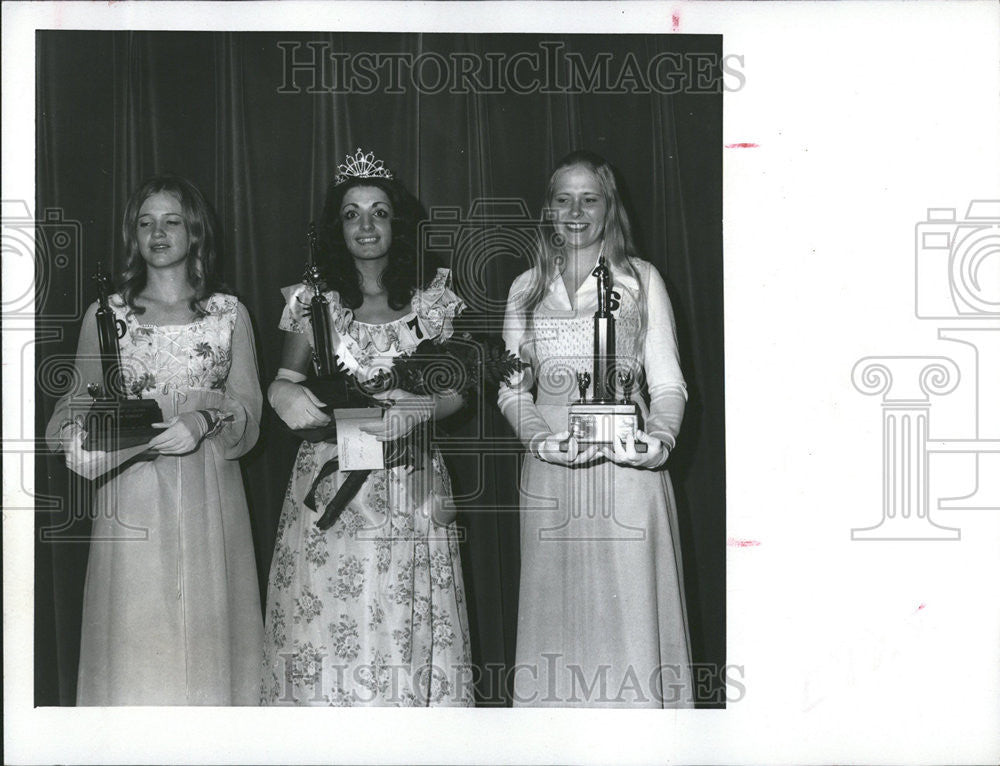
[372,610]
[171,611]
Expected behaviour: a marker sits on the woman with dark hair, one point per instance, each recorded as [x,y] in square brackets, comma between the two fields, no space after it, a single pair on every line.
[171,612]
[601,616]
[372,610]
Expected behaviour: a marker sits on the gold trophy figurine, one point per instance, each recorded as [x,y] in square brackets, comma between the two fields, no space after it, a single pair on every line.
[603,418]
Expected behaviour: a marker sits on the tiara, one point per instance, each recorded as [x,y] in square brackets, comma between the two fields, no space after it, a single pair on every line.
[360,165]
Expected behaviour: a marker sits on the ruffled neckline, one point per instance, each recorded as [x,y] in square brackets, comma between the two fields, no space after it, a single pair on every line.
[432,310]
[405,318]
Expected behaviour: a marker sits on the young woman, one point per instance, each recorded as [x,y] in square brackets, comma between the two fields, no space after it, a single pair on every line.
[171,612]
[601,617]
[370,611]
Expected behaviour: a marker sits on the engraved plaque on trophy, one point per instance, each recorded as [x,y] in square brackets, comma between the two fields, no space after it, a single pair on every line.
[604,418]
[115,421]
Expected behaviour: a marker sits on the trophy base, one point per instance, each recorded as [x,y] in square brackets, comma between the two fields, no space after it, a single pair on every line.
[603,423]
[117,424]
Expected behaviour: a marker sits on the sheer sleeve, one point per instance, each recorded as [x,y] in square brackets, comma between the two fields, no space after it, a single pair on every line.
[293,318]
[515,400]
[86,369]
[242,398]
[437,306]
[667,390]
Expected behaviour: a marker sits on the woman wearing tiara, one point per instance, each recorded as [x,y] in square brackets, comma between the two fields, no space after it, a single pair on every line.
[171,611]
[601,616]
[372,610]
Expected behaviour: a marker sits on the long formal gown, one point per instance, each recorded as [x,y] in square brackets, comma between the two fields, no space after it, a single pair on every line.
[171,611]
[372,610]
[601,614]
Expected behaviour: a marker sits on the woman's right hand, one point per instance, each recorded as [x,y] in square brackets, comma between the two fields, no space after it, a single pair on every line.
[78,459]
[296,405]
[547,449]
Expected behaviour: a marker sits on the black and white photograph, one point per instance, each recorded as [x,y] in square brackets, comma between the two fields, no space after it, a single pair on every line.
[274,210]
[526,358]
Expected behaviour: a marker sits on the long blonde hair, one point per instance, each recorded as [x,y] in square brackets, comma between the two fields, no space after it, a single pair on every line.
[618,244]
[201,257]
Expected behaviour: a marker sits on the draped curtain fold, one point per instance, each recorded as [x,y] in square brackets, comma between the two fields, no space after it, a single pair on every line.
[115,107]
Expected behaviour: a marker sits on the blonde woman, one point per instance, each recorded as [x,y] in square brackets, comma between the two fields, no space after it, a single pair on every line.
[171,610]
[601,616]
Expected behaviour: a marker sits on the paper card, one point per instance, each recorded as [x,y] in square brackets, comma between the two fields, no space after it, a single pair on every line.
[358,450]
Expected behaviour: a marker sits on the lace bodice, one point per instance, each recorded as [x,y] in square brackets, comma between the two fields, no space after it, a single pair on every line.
[162,359]
[557,342]
[561,347]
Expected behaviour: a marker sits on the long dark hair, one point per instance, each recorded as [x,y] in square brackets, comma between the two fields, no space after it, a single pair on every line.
[201,255]
[402,274]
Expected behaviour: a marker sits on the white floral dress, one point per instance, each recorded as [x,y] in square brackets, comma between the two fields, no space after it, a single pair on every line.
[171,609]
[372,610]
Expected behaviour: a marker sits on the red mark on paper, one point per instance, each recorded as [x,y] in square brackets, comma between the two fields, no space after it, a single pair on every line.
[675,19]
[742,146]
[921,607]
[737,542]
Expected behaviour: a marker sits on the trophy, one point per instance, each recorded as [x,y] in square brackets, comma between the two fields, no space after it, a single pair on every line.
[330,383]
[338,389]
[603,419]
[114,421]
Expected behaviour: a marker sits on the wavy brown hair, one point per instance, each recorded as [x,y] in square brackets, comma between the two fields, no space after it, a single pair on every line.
[404,271]
[201,255]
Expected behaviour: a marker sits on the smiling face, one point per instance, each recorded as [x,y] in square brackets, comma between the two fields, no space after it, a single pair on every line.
[579,206]
[162,231]
[366,219]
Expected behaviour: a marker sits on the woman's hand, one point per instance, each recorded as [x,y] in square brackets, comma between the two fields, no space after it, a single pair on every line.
[181,434]
[78,459]
[296,405]
[406,413]
[548,450]
[623,451]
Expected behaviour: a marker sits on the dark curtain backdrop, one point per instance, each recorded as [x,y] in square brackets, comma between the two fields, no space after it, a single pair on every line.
[114,107]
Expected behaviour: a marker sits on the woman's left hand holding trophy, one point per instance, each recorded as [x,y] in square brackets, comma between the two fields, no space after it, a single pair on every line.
[182,434]
[623,451]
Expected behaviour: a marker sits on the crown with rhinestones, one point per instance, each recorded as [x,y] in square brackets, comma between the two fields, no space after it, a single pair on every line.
[361,165]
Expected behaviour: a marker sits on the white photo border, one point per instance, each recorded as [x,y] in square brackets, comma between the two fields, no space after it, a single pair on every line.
[855,119]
